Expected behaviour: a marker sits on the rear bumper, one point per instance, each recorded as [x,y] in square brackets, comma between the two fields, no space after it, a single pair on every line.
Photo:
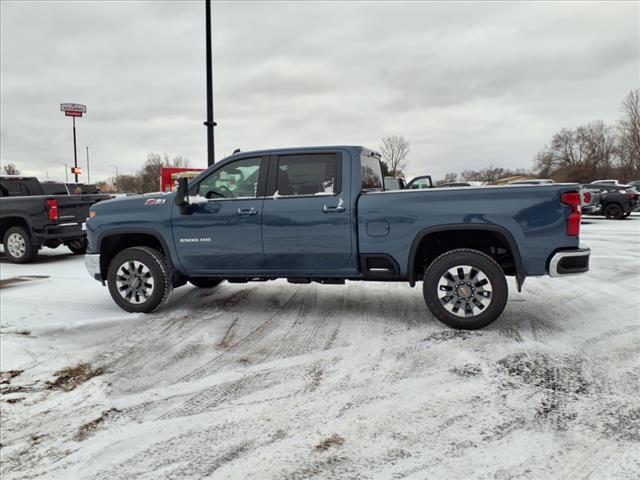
[92,262]
[590,209]
[61,232]
[569,262]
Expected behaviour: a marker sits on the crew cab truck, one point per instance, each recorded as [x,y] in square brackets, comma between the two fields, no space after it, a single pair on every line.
[30,219]
[321,214]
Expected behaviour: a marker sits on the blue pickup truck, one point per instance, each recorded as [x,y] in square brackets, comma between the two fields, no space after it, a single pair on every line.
[321,214]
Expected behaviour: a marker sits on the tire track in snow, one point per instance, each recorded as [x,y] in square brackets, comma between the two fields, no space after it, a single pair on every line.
[232,353]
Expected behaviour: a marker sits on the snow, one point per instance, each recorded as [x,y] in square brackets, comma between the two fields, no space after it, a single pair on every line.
[244,381]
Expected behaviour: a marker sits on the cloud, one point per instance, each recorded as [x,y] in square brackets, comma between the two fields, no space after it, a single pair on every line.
[468,83]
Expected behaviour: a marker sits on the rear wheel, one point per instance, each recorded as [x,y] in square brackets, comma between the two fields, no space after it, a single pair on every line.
[139,280]
[17,245]
[205,282]
[78,247]
[614,211]
[465,289]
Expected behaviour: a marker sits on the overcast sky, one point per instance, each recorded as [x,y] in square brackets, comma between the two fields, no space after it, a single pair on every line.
[468,84]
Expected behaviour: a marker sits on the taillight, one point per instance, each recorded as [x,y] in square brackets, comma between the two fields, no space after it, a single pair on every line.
[573,222]
[587,197]
[53,209]
[633,196]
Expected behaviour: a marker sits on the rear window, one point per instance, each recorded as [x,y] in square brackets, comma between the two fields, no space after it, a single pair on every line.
[54,188]
[20,187]
[372,178]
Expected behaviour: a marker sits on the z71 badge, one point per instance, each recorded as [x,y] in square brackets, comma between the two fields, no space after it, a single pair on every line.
[154,201]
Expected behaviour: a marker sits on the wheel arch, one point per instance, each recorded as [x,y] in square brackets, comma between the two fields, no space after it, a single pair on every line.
[426,236]
[111,243]
[13,221]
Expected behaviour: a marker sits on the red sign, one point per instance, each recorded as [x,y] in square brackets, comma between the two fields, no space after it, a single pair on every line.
[77,170]
[73,114]
[73,107]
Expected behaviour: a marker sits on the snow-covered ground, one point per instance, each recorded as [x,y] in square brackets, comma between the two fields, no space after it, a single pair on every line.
[272,380]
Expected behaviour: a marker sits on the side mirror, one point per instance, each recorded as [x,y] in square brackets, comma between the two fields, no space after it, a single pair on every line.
[182,195]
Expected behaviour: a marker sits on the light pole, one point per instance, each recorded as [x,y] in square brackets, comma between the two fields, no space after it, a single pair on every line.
[209,54]
[88,174]
[117,182]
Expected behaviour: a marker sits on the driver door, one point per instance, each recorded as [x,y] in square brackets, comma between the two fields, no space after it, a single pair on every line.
[222,231]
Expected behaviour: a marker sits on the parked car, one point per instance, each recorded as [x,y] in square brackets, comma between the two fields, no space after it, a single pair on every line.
[616,201]
[635,184]
[455,184]
[590,200]
[605,182]
[321,215]
[30,219]
[423,181]
[392,183]
[532,181]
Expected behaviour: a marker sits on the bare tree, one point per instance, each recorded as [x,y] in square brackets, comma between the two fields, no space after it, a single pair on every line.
[580,154]
[395,149]
[598,143]
[129,184]
[149,174]
[450,178]
[11,169]
[629,133]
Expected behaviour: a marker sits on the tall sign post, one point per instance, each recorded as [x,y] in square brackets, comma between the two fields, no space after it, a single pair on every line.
[88,172]
[209,123]
[74,110]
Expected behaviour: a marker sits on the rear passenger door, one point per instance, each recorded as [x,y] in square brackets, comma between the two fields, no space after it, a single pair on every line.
[306,222]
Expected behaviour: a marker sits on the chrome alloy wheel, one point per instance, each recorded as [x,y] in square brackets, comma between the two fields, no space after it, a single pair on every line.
[465,291]
[17,245]
[134,281]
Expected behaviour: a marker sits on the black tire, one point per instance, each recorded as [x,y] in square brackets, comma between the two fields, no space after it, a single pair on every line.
[78,247]
[205,282]
[614,211]
[17,245]
[154,264]
[467,294]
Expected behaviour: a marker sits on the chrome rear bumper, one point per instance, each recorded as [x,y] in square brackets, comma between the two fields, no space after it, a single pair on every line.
[569,262]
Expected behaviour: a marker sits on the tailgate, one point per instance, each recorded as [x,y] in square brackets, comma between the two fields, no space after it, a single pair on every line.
[75,208]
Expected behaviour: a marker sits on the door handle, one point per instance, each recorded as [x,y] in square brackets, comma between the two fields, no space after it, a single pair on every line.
[246,211]
[337,209]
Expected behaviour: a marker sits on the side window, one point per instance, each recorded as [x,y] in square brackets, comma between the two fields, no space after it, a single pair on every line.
[371,173]
[420,184]
[238,179]
[316,174]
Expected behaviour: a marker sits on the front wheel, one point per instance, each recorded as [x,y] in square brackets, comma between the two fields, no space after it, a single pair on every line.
[465,289]
[138,279]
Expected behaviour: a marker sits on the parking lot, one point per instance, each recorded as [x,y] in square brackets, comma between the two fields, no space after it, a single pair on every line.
[274,380]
